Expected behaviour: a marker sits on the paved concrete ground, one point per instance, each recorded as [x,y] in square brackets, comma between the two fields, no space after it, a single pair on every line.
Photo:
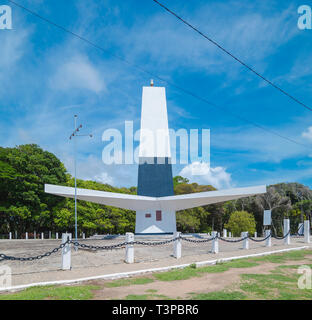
[87,263]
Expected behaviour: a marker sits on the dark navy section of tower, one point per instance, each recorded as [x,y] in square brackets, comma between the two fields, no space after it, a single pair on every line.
[155,180]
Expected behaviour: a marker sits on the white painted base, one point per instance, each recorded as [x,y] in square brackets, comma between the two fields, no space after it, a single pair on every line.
[177,246]
[286,230]
[215,243]
[268,241]
[129,248]
[150,225]
[245,242]
[66,252]
[307,231]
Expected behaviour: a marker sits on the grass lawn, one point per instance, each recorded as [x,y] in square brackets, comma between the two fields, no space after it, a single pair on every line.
[83,292]
[280,282]
[128,282]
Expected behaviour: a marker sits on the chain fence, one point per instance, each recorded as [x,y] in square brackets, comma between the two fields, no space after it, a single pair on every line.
[38,257]
[140,243]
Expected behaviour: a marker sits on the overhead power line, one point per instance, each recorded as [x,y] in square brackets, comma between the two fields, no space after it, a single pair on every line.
[190,93]
[234,57]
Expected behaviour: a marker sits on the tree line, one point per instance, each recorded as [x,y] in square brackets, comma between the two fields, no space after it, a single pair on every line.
[24,206]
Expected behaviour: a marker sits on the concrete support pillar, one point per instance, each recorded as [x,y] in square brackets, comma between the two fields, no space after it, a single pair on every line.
[15,234]
[129,248]
[10,235]
[286,230]
[307,231]
[224,233]
[177,245]
[256,234]
[66,252]
[26,235]
[215,243]
[268,241]
[56,235]
[245,242]
[35,235]
[50,234]
[83,235]
[42,236]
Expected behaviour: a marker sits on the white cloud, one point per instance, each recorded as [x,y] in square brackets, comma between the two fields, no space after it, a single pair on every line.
[78,73]
[307,134]
[201,172]
[103,177]
[12,47]
[249,33]
[90,168]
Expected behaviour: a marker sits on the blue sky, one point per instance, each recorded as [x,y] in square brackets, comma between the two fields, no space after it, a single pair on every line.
[47,76]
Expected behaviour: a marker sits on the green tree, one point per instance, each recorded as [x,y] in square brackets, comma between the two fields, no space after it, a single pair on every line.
[178,179]
[23,172]
[241,221]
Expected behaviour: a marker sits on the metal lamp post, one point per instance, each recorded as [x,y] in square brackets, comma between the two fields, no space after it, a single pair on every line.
[75,134]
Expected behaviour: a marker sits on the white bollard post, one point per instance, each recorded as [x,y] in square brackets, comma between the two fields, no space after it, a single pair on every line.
[268,241]
[15,234]
[26,236]
[256,234]
[307,231]
[245,242]
[42,236]
[83,235]
[286,230]
[50,234]
[66,252]
[129,248]
[10,235]
[35,235]
[230,234]
[215,243]
[224,233]
[177,245]
[56,235]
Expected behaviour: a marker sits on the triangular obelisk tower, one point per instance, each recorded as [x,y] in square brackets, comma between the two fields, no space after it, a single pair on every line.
[155,171]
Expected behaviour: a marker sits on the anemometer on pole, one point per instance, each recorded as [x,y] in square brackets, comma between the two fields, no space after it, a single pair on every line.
[75,134]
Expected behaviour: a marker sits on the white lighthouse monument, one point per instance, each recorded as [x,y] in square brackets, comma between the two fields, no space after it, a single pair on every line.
[155,203]
[155,171]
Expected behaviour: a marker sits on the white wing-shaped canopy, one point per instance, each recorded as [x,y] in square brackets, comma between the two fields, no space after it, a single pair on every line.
[138,203]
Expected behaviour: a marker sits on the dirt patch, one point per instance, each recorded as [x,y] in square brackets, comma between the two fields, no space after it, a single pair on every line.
[208,282]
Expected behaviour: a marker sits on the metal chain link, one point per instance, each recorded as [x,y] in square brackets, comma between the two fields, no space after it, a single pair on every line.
[157,243]
[197,241]
[234,241]
[281,238]
[258,240]
[83,245]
